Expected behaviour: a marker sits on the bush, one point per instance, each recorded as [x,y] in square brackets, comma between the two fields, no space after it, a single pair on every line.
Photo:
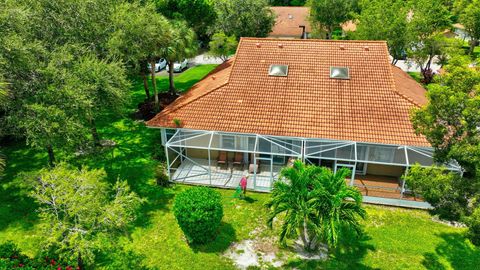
[473,223]
[160,175]
[199,213]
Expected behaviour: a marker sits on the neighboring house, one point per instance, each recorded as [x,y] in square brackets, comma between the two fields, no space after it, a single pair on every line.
[458,31]
[330,103]
[291,22]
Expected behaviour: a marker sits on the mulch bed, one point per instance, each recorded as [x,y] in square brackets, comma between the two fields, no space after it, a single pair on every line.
[146,110]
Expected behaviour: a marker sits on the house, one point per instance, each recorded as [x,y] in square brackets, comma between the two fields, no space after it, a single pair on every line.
[330,103]
[291,22]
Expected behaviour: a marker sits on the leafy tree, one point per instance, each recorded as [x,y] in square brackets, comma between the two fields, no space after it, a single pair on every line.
[316,203]
[326,15]
[79,206]
[140,36]
[244,18]
[182,45]
[199,213]
[428,19]
[223,46]
[199,14]
[450,123]
[470,18]
[384,20]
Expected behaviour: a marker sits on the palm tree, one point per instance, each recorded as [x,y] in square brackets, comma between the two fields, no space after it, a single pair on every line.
[181,45]
[316,203]
[338,205]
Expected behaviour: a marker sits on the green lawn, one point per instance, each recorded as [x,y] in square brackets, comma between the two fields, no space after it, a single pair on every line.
[394,238]
[417,76]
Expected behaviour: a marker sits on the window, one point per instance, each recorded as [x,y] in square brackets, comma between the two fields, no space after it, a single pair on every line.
[227,141]
[381,154]
[339,73]
[278,70]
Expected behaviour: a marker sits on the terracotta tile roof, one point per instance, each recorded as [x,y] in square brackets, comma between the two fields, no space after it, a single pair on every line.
[288,21]
[372,106]
[408,87]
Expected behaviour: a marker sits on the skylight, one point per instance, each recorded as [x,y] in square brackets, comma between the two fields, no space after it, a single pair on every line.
[278,70]
[339,73]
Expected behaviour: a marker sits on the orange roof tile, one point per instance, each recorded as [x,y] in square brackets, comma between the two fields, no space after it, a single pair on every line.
[288,20]
[372,106]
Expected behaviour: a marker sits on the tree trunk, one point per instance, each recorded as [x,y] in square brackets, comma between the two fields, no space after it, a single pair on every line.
[154,82]
[170,78]
[473,42]
[145,84]
[93,128]
[80,264]
[51,156]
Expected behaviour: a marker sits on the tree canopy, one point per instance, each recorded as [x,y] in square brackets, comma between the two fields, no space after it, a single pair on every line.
[79,206]
[326,15]
[244,18]
[470,18]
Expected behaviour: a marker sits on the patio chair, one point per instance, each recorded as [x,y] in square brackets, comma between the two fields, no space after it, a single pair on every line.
[222,159]
[238,159]
[252,167]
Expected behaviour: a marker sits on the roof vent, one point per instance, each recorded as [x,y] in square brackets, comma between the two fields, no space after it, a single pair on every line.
[339,73]
[280,45]
[342,47]
[290,16]
[258,45]
[366,48]
[278,70]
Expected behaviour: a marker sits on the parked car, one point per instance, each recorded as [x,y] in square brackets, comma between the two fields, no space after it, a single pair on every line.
[179,66]
[159,65]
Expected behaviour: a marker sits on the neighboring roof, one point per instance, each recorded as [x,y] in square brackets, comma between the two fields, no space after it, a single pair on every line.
[372,106]
[288,20]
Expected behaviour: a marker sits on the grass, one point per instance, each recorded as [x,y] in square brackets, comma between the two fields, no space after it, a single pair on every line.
[417,76]
[394,238]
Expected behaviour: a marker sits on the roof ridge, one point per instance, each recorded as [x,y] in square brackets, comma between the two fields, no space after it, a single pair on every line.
[168,110]
[395,90]
[313,40]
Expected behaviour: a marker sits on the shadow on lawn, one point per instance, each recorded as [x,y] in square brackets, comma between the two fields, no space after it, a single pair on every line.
[456,250]
[348,255]
[226,236]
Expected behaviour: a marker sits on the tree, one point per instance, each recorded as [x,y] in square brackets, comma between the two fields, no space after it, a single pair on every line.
[470,18]
[199,14]
[384,20]
[316,203]
[244,18]
[3,101]
[450,123]
[326,15]
[140,36]
[429,18]
[104,84]
[223,46]
[182,45]
[79,206]
[287,2]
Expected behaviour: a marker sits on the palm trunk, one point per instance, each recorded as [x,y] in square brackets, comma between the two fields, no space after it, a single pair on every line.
[154,82]
[93,129]
[170,78]
[145,84]
[51,156]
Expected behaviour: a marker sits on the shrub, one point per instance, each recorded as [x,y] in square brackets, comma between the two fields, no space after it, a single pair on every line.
[199,213]
[160,175]
[473,223]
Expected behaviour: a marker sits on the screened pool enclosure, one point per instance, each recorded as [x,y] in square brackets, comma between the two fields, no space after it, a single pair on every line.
[221,159]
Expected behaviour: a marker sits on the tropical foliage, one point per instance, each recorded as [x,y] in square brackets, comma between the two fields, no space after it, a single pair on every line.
[316,203]
[223,46]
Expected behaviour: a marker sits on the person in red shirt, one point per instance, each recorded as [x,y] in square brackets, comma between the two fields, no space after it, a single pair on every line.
[243,185]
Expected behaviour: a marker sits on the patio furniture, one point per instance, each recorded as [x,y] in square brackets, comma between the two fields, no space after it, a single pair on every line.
[254,167]
[238,159]
[222,159]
